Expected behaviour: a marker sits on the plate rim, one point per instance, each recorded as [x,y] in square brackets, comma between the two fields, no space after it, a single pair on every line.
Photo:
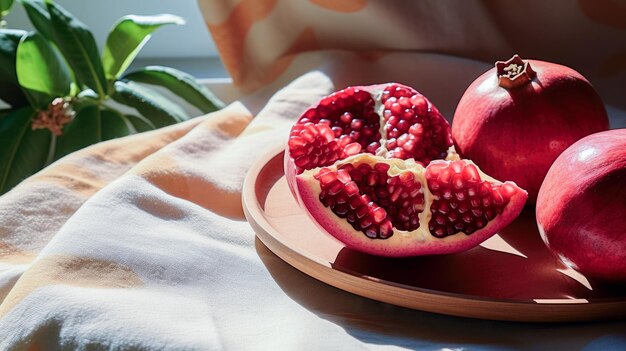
[555,310]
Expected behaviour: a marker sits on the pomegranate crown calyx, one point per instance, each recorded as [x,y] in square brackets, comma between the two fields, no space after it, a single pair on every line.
[514,72]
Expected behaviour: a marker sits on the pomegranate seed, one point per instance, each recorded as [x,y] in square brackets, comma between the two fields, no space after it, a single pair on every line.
[396,194]
[352,149]
[337,131]
[335,188]
[296,141]
[416,129]
[356,124]
[395,108]
[457,166]
[343,176]
[386,229]
[463,207]
[480,223]
[507,190]
[346,118]
[366,222]
[497,198]
[307,136]
[457,181]
[407,178]
[327,178]
[371,232]
[379,215]
[459,196]
[341,199]
[439,219]
[311,129]
[327,133]
[361,211]
[433,185]
[302,161]
[484,189]
[341,210]
[352,188]
[402,126]
[381,167]
[367,132]
[444,177]
[486,202]
[373,147]
[471,191]
[470,174]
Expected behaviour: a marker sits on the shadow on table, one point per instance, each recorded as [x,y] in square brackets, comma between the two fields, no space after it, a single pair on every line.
[380,323]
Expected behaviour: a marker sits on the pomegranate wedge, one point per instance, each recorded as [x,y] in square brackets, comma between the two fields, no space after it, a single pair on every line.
[375,167]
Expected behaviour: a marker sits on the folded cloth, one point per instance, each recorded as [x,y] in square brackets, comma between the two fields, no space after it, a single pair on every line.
[141,243]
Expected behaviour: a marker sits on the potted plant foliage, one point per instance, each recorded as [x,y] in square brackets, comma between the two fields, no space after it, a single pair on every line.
[63,94]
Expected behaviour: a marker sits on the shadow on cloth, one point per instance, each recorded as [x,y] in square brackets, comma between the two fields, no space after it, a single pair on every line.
[380,323]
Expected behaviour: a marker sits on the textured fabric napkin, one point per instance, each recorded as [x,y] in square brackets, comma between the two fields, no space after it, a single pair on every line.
[141,243]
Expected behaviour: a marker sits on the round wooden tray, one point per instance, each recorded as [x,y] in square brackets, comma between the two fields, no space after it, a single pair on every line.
[511,276]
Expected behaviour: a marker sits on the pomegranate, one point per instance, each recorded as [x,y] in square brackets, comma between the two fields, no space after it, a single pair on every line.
[515,119]
[374,166]
[581,208]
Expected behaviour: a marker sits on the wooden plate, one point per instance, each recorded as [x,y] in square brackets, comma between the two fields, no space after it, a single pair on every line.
[511,276]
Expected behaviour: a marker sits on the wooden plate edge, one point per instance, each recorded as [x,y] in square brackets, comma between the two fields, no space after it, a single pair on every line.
[413,299]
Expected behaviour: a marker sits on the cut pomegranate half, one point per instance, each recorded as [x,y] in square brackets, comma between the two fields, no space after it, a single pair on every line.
[375,167]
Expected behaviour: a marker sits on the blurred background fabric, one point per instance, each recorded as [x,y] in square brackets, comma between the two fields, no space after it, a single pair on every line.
[270,42]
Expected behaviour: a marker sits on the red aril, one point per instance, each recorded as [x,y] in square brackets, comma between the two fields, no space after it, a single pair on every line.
[515,119]
[374,166]
[581,208]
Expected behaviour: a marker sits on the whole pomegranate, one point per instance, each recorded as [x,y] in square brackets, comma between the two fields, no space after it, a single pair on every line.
[581,208]
[516,118]
[374,166]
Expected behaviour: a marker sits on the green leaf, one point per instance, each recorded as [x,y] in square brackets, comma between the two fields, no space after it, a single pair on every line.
[91,125]
[127,38]
[37,12]
[9,40]
[141,124]
[79,48]
[39,69]
[5,7]
[23,151]
[153,106]
[10,92]
[40,18]
[179,83]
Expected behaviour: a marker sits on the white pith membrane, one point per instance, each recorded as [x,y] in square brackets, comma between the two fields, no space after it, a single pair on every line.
[414,241]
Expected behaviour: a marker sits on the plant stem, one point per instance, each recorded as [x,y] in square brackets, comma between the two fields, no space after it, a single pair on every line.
[51,150]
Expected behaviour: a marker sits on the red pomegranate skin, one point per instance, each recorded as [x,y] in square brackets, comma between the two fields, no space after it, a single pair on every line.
[517,133]
[581,208]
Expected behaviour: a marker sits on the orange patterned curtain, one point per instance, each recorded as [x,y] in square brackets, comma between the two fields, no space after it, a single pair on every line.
[270,42]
